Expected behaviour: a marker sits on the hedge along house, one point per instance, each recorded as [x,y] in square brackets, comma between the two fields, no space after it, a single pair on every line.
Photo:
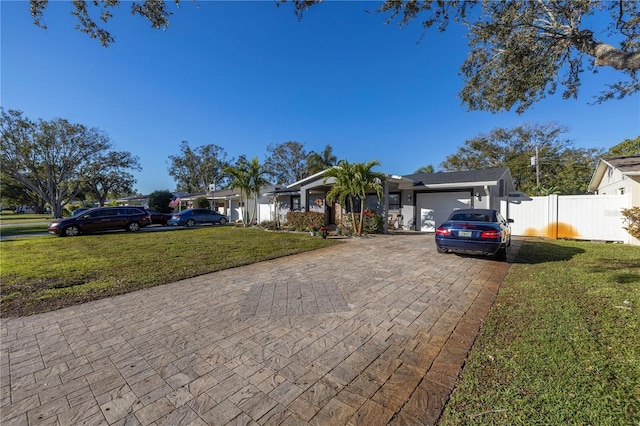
[418,202]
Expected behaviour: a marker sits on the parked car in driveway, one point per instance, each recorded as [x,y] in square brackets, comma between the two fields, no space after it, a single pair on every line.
[158,218]
[192,217]
[476,231]
[101,219]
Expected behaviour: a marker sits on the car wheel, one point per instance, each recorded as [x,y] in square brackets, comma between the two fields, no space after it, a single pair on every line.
[191,223]
[70,231]
[133,227]
[501,254]
[222,221]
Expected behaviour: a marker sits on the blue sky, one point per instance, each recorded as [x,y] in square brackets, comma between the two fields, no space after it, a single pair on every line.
[243,75]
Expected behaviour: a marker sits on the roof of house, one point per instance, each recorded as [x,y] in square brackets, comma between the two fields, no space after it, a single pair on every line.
[628,165]
[217,195]
[471,177]
[441,179]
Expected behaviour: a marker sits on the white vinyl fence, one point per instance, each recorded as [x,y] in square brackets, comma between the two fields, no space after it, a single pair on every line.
[580,217]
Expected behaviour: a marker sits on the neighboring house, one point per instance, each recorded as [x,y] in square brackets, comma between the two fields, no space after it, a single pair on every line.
[137,200]
[419,201]
[272,202]
[226,201]
[617,176]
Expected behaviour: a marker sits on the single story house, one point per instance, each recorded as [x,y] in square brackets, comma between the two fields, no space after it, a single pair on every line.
[420,201]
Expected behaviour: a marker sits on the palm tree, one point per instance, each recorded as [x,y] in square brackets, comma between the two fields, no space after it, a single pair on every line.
[351,181]
[426,169]
[319,162]
[240,178]
[256,178]
[342,186]
[248,176]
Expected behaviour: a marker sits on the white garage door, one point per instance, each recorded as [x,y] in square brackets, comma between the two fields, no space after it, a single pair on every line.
[434,208]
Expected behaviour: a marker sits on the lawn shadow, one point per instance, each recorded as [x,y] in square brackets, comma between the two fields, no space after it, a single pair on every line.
[535,252]
[630,276]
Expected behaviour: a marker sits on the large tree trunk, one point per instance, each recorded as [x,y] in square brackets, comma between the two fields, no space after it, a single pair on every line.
[607,55]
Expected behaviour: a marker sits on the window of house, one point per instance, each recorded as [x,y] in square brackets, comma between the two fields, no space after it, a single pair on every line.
[295,203]
[371,202]
[394,200]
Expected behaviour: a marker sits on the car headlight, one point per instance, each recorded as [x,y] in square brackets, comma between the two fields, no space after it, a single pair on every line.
[53,225]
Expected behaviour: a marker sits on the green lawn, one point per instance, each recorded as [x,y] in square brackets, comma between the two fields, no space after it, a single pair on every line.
[40,274]
[19,224]
[561,345]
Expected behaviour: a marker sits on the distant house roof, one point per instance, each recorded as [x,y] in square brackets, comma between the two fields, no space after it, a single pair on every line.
[468,178]
[222,194]
[628,165]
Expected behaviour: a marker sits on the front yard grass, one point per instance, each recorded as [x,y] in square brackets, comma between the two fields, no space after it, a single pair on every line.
[561,344]
[40,274]
[18,224]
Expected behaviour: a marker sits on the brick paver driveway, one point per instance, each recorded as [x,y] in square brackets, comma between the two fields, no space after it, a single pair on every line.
[372,332]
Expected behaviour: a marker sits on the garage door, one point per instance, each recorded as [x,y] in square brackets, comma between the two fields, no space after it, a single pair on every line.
[434,207]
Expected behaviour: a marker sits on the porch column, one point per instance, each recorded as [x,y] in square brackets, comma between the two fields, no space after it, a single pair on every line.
[385,208]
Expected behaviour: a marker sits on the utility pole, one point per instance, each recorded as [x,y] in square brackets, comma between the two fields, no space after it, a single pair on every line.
[535,161]
[537,171]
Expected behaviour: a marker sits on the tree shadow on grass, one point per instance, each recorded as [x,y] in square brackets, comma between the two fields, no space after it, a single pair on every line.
[626,271]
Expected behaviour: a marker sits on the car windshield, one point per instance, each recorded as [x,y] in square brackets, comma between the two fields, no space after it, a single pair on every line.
[471,217]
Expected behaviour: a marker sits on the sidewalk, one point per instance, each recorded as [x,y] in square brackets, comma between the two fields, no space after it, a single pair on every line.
[373,331]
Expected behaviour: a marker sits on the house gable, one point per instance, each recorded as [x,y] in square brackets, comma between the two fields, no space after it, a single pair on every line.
[617,175]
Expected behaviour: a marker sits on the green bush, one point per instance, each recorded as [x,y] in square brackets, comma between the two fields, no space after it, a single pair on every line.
[632,217]
[302,221]
[269,224]
[202,203]
[372,223]
[159,200]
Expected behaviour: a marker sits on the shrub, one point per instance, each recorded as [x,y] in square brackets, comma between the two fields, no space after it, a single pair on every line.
[302,221]
[632,217]
[202,203]
[159,200]
[371,224]
[269,224]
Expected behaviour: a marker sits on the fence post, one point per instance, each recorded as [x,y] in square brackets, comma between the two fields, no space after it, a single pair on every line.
[552,218]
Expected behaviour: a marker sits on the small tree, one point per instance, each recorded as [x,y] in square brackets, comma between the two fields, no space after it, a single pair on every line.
[202,203]
[159,200]
[632,217]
